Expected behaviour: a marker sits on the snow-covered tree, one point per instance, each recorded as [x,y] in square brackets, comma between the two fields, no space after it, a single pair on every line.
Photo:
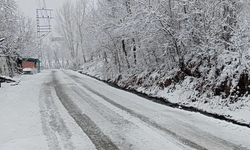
[71,19]
[203,39]
[17,33]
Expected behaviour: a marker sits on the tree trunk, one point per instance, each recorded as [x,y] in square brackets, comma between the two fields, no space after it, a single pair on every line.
[134,50]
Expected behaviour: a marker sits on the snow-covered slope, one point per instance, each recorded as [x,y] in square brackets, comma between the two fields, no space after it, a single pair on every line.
[155,83]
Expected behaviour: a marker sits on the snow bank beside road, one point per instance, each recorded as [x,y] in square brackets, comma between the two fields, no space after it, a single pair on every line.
[177,94]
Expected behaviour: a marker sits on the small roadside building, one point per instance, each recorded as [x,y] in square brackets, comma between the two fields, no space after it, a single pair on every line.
[32,63]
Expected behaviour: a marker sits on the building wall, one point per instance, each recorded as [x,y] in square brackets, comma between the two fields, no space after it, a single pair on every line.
[4,67]
[27,64]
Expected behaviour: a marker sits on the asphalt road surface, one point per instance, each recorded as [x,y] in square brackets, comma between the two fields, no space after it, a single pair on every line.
[113,119]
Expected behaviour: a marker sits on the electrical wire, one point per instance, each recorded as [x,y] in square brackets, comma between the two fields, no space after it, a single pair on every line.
[44,19]
[45,7]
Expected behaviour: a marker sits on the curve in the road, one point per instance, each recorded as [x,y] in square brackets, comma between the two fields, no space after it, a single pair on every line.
[149,121]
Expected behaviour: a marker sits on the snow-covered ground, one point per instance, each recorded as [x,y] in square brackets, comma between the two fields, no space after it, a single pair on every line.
[19,115]
[21,126]
[33,117]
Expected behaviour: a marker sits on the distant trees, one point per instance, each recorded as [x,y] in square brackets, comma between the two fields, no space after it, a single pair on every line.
[71,27]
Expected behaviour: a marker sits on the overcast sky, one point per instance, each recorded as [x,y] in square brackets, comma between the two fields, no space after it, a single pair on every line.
[28,7]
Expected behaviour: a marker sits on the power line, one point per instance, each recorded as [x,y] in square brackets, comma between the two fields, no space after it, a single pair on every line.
[43,17]
[45,7]
[44,4]
[42,25]
[37,3]
[40,7]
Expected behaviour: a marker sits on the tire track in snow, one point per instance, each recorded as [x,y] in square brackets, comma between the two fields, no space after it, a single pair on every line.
[120,124]
[57,134]
[141,117]
[221,143]
[99,139]
[126,131]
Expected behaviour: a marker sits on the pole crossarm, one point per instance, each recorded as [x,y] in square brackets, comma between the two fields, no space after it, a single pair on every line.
[43,18]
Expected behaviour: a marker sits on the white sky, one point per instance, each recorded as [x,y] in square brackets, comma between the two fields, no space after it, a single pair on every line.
[28,7]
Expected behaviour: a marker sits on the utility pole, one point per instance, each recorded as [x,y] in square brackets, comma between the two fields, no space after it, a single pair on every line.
[43,19]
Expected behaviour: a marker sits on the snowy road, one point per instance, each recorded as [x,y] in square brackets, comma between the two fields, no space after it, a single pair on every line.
[78,112]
